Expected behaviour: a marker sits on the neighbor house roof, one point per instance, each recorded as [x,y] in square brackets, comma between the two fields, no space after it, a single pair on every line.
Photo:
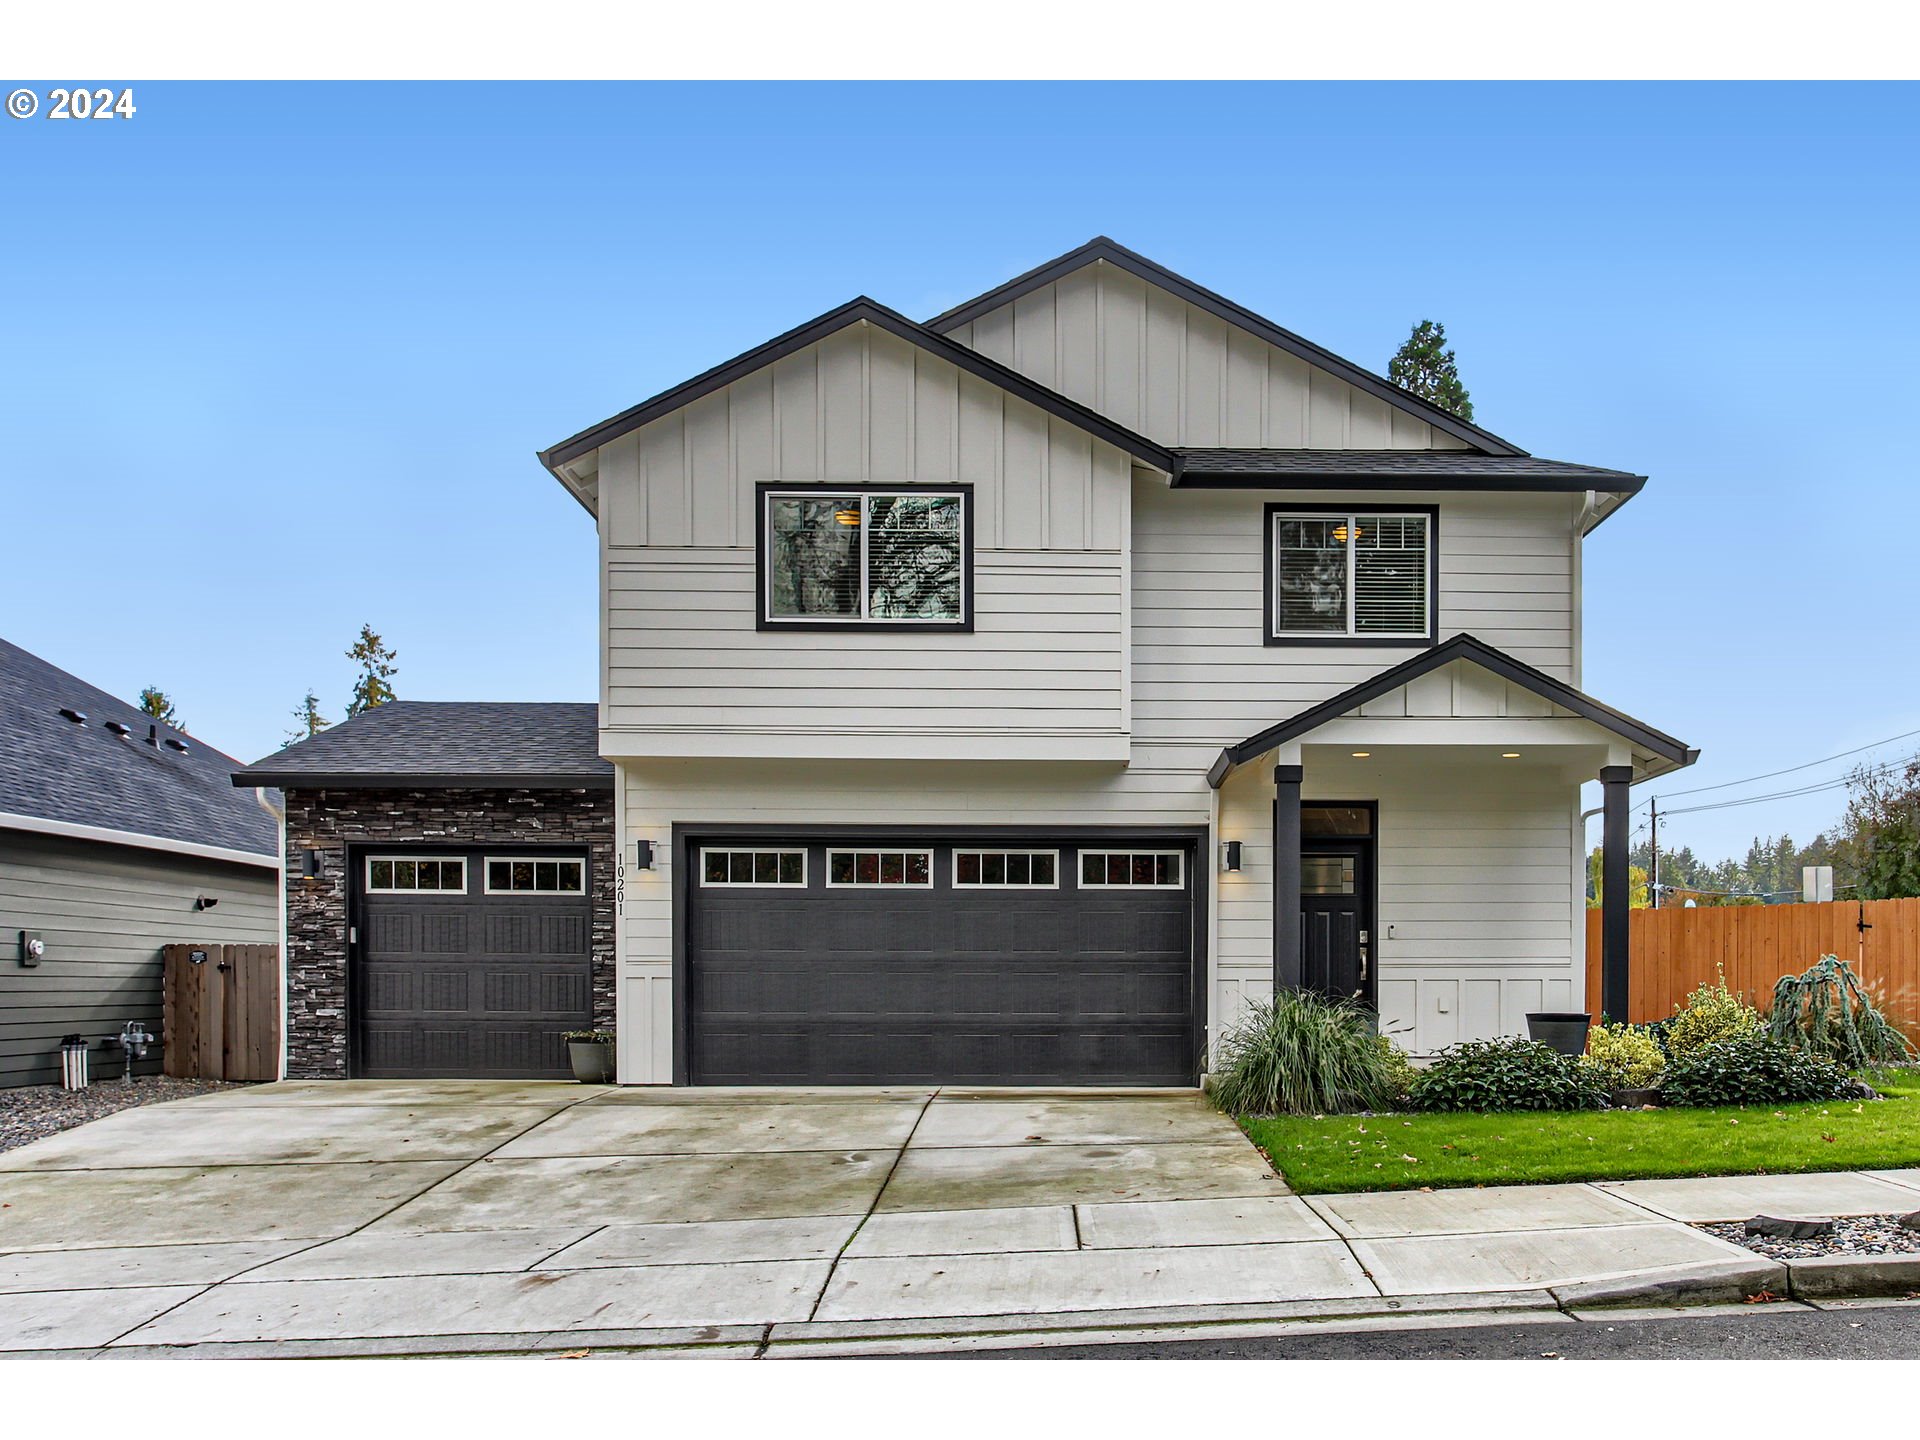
[440,743]
[1102,250]
[1460,647]
[854,312]
[1390,470]
[145,784]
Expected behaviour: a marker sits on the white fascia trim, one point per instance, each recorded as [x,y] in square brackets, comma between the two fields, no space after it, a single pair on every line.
[827,743]
[35,825]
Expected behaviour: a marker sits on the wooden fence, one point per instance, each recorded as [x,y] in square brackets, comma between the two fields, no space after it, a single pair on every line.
[1754,945]
[221,1012]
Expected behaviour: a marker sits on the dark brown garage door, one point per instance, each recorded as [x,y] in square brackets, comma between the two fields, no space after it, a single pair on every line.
[944,963]
[469,963]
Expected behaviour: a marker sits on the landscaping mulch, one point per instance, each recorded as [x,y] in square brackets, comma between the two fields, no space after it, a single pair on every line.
[1851,1235]
[37,1111]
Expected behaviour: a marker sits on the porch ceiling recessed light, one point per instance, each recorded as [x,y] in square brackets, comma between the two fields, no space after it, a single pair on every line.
[1509,754]
[1361,754]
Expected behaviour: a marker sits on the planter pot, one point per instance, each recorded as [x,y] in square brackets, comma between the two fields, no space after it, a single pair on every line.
[1633,1099]
[592,1061]
[1566,1033]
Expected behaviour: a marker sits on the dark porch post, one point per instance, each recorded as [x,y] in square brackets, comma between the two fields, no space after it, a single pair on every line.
[1286,876]
[1616,892]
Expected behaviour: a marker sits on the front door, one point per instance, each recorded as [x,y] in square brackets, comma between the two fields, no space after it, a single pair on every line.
[1336,904]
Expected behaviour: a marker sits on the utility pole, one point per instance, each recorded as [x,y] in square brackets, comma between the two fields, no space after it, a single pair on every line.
[1653,879]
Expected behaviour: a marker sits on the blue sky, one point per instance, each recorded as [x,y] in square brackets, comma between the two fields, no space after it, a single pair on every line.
[277,358]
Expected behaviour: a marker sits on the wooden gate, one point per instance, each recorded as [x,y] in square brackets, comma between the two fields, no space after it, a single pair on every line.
[221,1012]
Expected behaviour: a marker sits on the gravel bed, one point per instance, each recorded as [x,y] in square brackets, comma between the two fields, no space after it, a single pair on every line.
[34,1112]
[1851,1235]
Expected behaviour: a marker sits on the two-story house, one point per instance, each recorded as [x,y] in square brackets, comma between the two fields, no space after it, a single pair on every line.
[1010,697]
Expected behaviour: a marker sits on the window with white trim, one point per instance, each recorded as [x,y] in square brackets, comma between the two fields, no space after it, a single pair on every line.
[859,869]
[864,557]
[528,875]
[1006,869]
[1139,869]
[725,866]
[1360,574]
[416,874]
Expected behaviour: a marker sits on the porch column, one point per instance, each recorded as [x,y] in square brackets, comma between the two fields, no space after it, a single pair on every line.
[1616,891]
[1286,876]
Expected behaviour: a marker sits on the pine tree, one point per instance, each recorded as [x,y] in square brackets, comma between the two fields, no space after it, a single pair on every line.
[156,702]
[375,660]
[1425,366]
[308,721]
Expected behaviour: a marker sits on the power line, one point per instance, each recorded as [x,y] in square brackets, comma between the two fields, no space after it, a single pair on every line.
[1813,789]
[1771,774]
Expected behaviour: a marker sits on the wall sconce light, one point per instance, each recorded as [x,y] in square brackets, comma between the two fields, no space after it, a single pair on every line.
[643,854]
[205,902]
[309,864]
[1230,857]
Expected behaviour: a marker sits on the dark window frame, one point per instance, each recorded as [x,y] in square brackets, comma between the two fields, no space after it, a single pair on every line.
[764,620]
[1269,607]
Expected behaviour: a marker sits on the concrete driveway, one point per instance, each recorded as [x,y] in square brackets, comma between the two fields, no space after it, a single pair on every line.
[440,1217]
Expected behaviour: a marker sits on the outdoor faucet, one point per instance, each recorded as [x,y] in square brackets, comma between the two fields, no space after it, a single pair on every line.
[134,1039]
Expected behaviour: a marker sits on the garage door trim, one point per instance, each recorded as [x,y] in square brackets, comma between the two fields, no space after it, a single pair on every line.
[687,837]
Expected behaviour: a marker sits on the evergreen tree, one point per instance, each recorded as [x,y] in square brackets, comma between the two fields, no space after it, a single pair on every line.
[1425,366]
[308,721]
[156,702]
[1883,830]
[375,660]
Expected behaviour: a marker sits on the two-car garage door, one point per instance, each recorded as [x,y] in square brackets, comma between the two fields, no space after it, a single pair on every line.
[1063,962]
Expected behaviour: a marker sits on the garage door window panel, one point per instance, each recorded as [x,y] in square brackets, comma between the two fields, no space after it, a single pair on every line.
[1006,869]
[872,869]
[753,867]
[1132,869]
[529,875]
[412,874]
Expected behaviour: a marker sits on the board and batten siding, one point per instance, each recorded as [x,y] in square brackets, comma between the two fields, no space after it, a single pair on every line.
[104,912]
[1043,672]
[1175,373]
[1479,904]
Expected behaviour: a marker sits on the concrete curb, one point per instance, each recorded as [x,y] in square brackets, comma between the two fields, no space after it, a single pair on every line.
[1710,1282]
[1839,1277]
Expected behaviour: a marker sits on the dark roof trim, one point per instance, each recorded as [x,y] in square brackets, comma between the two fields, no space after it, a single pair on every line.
[264,775]
[894,323]
[1460,647]
[1394,470]
[1100,248]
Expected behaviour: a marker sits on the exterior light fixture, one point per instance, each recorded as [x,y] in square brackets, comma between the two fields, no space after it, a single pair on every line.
[1362,754]
[1230,857]
[205,902]
[310,865]
[1509,754]
[643,854]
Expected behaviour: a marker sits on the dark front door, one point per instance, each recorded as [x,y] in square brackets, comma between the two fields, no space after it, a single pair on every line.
[1336,903]
[941,961]
[469,963]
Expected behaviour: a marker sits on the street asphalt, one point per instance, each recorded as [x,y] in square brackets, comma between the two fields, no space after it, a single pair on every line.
[1772,1332]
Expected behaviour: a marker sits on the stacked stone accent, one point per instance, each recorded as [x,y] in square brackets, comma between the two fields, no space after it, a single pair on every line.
[331,820]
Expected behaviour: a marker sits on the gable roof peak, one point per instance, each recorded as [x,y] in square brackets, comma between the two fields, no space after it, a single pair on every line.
[1103,249]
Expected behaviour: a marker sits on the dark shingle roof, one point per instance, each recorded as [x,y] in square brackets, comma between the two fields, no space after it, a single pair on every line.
[1460,469]
[54,769]
[443,743]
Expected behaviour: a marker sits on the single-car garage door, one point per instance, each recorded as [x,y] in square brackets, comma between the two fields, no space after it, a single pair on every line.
[469,963]
[940,963]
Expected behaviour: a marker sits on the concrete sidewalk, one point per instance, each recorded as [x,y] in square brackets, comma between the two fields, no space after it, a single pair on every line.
[453,1217]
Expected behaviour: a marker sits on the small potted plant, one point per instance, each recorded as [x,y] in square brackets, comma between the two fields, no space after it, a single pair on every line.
[591,1052]
[1565,1031]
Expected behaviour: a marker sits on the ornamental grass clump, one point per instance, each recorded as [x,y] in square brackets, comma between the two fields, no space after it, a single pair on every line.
[1304,1054]
[1509,1074]
[1753,1070]
[1827,1012]
[1625,1057]
[1712,1013]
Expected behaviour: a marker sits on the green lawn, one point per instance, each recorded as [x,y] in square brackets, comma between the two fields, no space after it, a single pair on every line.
[1405,1152]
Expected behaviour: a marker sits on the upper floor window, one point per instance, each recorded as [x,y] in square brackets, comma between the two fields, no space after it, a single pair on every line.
[1340,576]
[864,555]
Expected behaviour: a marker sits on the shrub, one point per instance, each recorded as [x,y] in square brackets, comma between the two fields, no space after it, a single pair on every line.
[1510,1074]
[1753,1070]
[1401,1071]
[589,1037]
[1712,1013]
[1304,1054]
[1624,1056]
[1828,1013]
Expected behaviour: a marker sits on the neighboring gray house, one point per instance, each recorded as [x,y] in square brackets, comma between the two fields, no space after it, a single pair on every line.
[115,834]
[450,889]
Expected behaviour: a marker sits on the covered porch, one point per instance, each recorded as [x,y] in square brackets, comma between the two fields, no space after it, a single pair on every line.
[1417,842]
